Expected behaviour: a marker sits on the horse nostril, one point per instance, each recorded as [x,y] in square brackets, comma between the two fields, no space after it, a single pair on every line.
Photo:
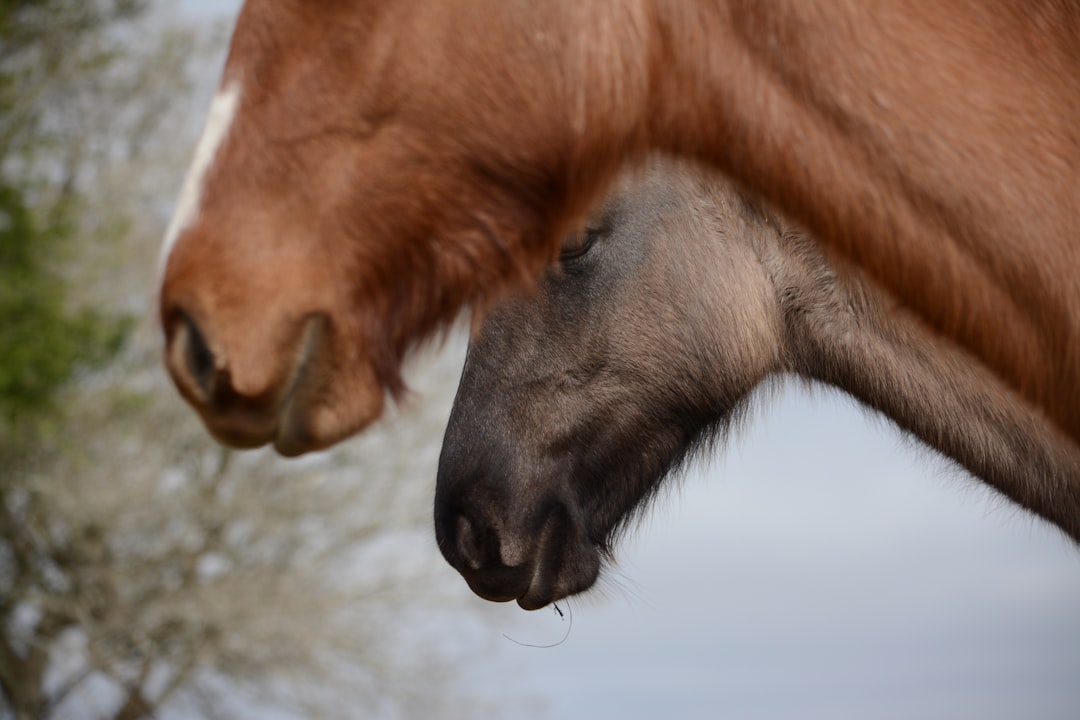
[468,543]
[197,356]
[191,358]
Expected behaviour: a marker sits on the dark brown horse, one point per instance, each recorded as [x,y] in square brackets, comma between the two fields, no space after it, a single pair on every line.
[370,167]
[679,299]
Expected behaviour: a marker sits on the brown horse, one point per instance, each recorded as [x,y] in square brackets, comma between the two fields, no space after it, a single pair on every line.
[370,167]
[681,297]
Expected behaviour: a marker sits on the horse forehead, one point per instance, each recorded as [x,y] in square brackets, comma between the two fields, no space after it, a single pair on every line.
[218,124]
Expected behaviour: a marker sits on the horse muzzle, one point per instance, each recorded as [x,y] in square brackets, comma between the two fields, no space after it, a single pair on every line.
[535,558]
[285,395]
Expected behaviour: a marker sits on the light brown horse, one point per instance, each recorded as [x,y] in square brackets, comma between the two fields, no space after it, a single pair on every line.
[681,297]
[372,166]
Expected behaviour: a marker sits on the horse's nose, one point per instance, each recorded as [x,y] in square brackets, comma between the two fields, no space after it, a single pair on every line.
[475,549]
[535,559]
[260,388]
[202,373]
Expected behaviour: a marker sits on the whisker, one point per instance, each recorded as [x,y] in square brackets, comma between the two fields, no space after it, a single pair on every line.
[569,614]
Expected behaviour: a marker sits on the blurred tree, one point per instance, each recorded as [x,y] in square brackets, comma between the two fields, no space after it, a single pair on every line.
[43,342]
[171,576]
[144,571]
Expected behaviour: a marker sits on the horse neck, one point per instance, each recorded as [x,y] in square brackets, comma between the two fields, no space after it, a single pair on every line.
[768,92]
[844,331]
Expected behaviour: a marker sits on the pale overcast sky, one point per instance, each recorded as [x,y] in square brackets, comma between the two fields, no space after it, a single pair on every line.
[824,568]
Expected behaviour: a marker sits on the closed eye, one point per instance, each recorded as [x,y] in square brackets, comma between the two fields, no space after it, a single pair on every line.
[577,244]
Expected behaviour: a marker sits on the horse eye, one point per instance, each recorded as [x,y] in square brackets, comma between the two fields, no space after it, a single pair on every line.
[577,244]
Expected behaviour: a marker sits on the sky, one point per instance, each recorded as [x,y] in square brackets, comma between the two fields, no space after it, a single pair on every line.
[825,568]
[820,566]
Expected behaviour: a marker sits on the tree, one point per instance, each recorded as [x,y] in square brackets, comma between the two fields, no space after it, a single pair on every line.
[145,571]
[43,343]
[210,571]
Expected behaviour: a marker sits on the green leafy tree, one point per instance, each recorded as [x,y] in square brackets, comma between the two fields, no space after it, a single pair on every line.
[44,341]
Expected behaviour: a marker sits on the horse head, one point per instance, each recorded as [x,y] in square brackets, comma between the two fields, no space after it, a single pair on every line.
[338,208]
[577,400]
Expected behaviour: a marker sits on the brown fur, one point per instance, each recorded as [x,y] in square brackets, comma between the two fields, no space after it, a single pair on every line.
[411,158]
[576,402]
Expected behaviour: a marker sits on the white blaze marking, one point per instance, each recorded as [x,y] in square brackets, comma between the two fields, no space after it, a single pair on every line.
[218,122]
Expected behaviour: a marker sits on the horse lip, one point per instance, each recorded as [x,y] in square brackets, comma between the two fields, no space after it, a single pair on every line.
[541,589]
[537,561]
[241,438]
[484,593]
[536,600]
[562,567]
[292,435]
[533,583]
[567,580]
[502,585]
